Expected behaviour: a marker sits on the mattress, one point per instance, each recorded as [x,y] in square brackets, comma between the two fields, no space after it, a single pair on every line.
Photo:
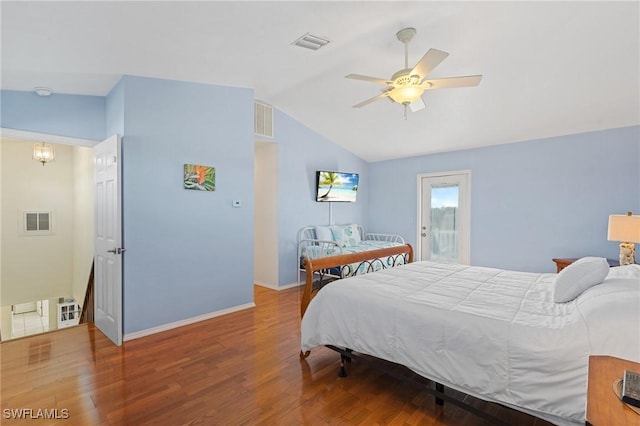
[491,333]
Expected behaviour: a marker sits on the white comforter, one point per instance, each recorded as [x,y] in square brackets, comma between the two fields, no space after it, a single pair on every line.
[490,333]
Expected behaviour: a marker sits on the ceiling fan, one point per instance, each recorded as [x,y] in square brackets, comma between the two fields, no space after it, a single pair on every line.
[407,85]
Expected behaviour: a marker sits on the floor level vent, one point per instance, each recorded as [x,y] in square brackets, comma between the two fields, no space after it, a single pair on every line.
[263,120]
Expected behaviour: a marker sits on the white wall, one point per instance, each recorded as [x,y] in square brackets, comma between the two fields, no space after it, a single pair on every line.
[5,322]
[265,246]
[82,220]
[35,267]
[2,322]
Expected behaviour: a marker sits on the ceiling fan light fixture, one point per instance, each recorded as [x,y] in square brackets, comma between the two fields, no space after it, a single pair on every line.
[407,85]
[406,94]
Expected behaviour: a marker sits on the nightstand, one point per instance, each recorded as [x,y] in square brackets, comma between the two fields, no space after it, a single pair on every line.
[603,406]
[562,263]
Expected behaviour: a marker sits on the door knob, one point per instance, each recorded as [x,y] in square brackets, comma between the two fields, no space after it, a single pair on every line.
[424,234]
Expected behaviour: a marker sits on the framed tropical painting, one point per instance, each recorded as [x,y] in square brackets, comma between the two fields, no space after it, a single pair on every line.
[202,178]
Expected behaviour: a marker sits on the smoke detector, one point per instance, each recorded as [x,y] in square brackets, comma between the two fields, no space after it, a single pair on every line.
[42,91]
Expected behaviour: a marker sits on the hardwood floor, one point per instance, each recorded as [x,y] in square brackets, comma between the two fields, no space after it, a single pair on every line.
[239,369]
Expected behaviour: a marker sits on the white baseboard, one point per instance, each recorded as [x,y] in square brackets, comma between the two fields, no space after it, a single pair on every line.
[176,324]
[266,285]
[292,285]
[278,288]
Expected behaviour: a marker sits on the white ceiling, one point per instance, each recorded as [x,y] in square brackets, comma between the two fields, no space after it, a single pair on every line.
[550,68]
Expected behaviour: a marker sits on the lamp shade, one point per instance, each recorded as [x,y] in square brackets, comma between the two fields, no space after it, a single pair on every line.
[624,228]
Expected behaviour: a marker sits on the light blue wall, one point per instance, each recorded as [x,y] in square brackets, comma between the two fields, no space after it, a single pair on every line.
[530,201]
[301,153]
[63,115]
[115,110]
[188,252]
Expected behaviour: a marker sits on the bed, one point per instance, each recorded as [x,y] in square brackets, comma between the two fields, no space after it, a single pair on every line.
[323,241]
[494,334]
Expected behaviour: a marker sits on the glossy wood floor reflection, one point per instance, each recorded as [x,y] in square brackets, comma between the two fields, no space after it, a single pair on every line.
[238,369]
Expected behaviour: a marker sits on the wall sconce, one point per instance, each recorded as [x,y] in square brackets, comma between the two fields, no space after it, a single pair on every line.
[626,229]
[43,153]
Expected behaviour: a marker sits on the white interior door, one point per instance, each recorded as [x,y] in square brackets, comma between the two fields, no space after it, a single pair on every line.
[443,220]
[108,239]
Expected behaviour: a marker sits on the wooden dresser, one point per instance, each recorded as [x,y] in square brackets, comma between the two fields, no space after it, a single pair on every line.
[562,263]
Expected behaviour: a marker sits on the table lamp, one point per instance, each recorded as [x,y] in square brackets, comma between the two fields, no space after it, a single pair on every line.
[626,230]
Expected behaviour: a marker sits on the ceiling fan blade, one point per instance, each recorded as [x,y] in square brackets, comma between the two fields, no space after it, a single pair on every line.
[367,78]
[429,61]
[375,98]
[452,82]
[417,105]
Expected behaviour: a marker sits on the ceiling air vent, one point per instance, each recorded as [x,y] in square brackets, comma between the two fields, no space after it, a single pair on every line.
[263,120]
[310,41]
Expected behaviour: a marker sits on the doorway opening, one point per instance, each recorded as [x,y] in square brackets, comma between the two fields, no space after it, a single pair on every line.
[29,318]
[265,270]
[44,275]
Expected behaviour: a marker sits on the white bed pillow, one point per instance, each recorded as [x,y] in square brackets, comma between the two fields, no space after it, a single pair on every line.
[579,276]
[626,271]
[324,233]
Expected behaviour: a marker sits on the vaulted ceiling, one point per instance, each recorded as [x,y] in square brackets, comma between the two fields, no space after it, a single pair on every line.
[549,68]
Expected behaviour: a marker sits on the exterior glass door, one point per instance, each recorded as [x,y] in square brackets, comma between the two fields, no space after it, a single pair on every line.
[444,218]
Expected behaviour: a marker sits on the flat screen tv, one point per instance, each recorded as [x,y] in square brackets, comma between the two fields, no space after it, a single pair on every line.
[336,186]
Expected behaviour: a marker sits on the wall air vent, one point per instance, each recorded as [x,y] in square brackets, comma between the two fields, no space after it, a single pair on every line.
[37,222]
[263,120]
[309,41]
